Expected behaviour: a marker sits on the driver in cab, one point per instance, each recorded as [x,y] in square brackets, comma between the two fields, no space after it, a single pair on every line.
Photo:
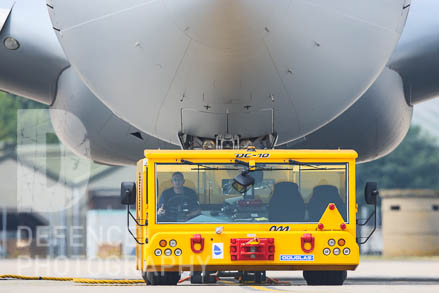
[178,203]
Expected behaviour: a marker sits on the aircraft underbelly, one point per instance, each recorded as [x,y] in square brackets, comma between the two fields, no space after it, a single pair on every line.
[241,67]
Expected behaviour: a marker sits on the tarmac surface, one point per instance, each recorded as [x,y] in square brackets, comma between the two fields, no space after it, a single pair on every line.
[373,275]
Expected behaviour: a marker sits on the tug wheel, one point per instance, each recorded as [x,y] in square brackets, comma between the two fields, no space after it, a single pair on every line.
[198,277]
[316,278]
[257,277]
[161,278]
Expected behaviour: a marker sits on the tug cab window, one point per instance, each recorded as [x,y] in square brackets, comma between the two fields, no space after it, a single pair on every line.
[281,193]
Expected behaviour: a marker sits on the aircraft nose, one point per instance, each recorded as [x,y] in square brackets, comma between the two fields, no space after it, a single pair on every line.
[198,65]
[226,24]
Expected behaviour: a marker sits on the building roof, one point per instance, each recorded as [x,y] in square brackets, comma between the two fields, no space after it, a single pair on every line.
[58,163]
[14,220]
[409,193]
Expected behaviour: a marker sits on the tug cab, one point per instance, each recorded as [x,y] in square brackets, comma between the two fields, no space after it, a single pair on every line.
[244,211]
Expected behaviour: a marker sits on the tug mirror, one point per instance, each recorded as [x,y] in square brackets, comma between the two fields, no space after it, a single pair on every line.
[243,182]
[128,193]
[371,193]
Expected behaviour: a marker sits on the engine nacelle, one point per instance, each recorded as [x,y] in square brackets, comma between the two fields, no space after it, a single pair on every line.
[79,118]
[374,126]
[31,58]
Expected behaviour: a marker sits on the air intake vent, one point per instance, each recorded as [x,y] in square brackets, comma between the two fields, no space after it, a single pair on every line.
[137,134]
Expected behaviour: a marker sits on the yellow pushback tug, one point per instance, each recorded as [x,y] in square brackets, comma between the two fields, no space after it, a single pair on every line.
[243,212]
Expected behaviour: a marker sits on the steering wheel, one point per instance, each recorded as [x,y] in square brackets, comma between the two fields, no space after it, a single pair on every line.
[177,208]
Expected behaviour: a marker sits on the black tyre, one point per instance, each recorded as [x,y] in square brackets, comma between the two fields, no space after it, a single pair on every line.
[196,278]
[172,278]
[325,278]
[208,277]
[258,277]
[162,278]
[145,277]
[153,278]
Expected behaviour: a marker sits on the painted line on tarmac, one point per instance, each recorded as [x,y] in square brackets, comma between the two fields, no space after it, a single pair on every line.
[232,283]
[251,287]
[262,288]
[228,282]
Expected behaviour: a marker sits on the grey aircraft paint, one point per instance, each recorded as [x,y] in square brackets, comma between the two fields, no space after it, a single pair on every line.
[33,69]
[417,55]
[217,67]
[374,124]
[78,116]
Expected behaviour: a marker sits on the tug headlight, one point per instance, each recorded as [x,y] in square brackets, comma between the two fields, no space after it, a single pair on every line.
[336,251]
[326,251]
[158,252]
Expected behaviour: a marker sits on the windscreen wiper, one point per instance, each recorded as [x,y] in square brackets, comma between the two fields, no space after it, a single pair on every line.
[271,169]
[294,162]
[204,167]
[239,162]
[256,168]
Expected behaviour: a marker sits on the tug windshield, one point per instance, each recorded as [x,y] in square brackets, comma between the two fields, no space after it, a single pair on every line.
[281,193]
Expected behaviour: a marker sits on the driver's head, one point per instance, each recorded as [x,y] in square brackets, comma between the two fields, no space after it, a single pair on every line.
[178,180]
